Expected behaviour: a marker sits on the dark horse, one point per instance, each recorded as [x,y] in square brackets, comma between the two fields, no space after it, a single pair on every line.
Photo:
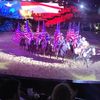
[49,49]
[64,47]
[32,46]
[41,47]
[22,42]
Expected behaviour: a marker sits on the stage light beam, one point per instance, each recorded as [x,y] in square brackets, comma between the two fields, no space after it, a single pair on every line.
[82,6]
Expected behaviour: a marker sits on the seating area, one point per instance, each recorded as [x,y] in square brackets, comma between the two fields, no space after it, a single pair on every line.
[22,88]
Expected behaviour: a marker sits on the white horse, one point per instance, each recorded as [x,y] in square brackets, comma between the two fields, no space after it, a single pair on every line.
[89,52]
[85,54]
[82,45]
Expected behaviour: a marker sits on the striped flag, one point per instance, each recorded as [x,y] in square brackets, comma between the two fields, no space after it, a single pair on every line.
[40,7]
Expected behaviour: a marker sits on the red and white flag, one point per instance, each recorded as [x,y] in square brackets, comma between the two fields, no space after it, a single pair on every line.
[40,7]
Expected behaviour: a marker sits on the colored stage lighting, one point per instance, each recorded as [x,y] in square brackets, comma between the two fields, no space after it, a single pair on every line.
[81,6]
[12,10]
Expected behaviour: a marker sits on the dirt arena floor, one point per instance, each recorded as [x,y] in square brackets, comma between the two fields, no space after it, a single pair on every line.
[16,61]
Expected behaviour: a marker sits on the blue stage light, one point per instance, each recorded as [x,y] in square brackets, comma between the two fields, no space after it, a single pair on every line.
[12,10]
[0,6]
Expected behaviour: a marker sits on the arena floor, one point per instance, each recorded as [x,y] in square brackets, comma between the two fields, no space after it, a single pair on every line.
[16,61]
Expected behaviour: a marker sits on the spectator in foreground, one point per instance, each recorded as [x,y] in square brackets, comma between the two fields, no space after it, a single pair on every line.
[9,90]
[62,92]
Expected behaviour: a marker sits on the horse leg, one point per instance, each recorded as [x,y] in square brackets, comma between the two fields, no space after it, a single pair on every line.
[57,55]
[58,52]
[85,62]
[50,56]
[75,58]
[44,52]
[38,50]
[50,53]
[29,49]
[63,59]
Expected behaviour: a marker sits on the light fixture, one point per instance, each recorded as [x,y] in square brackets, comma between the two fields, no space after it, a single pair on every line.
[81,6]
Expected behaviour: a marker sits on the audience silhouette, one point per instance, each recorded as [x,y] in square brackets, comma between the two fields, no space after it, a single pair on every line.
[62,91]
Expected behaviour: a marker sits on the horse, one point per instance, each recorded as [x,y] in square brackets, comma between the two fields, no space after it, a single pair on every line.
[79,49]
[43,46]
[32,46]
[22,42]
[85,54]
[49,49]
[64,47]
[56,48]
[89,52]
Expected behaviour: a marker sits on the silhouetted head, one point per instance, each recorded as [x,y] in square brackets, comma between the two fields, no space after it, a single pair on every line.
[9,90]
[62,92]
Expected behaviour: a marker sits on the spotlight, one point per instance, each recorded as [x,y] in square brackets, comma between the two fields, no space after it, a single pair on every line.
[96,27]
[81,6]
